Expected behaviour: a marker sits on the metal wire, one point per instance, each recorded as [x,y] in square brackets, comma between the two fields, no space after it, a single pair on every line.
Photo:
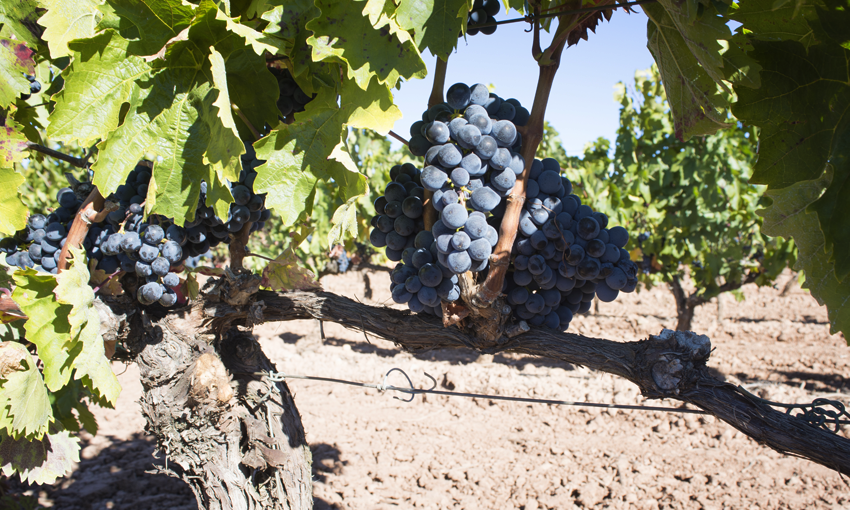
[813,413]
[383,386]
[531,17]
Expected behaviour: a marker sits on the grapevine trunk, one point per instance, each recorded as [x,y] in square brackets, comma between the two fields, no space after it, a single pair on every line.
[230,432]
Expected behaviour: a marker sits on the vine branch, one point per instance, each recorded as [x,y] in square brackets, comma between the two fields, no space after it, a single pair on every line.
[77,162]
[532,136]
[671,365]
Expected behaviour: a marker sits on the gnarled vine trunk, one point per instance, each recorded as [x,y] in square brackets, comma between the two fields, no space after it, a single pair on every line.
[234,436]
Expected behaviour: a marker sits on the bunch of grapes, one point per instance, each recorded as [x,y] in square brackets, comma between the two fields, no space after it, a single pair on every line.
[292,99]
[564,254]
[154,250]
[483,12]
[417,279]
[35,86]
[40,243]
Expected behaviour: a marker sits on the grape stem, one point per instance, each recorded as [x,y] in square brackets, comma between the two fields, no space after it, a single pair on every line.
[247,122]
[537,16]
[77,162]
[249,253]
[439,82]
[398,137]
[430,215]
[80,226]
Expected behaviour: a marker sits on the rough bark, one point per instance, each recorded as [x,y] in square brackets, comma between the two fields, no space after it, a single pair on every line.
[235,437]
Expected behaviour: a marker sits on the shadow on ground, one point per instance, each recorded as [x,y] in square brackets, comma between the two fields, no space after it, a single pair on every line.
[121,474]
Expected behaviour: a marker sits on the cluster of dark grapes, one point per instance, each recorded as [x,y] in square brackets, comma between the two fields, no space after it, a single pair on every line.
[154,250]
[40,243]
[417,280]
[564,254]
[471,128]
[471,148]
[35,86]
[483,12]
[292,99]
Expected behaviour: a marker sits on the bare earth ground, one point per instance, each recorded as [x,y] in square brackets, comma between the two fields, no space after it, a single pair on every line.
[374,452]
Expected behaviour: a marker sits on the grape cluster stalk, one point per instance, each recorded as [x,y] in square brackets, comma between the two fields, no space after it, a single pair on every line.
[564,254]
[154,248]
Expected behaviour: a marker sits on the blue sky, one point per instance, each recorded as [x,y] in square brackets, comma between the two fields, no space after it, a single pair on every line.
[581,106]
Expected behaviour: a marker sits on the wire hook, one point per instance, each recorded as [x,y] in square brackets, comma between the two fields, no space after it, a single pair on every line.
[383,386]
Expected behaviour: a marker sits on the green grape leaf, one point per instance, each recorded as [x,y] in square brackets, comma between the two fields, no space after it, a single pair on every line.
[787,217]
[15,60]
[344,222]
[48,326]
[163,119]
[372,109]
[39,461]
[19,17]
[149,23]
[252,88]
[24,405]
[802,108]
[260,42]
[286,273]
[289,22]
[299,154]
[66,20]
[701,34]
[771,20]
[174,136]
[282,178]
[90,365]
[698,108]
[225,147]
[741,69]
[98,82]
[342,33]
[435,23]
[13,213]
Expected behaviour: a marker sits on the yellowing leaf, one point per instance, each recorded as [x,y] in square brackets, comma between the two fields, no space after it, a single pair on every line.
[13,145]
[344,222]
[15,60]
[286,273]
